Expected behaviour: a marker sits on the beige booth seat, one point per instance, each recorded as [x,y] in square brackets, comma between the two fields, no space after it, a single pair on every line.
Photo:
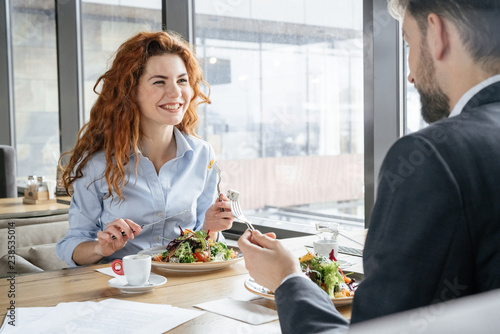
[36,240]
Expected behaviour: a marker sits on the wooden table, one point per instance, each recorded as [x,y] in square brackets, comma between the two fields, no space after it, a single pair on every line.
[181,290]
[15,208]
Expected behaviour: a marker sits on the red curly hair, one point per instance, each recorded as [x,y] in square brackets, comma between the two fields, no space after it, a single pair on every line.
[114,125]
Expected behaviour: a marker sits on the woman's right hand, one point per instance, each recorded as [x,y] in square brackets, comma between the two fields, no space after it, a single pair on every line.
[112,239]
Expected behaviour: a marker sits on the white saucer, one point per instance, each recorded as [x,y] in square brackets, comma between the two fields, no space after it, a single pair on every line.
[121,283]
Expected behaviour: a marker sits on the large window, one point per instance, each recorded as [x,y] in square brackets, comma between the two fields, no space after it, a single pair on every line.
[35,87]
[286,118]
[105,26]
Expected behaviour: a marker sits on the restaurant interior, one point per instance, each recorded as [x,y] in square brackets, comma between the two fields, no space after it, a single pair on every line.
[307,97]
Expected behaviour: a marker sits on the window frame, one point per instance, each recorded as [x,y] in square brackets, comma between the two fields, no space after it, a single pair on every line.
[7,128]
[383,121]
[69,71]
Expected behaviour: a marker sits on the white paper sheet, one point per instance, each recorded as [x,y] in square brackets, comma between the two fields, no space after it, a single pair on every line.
[24,314]
[240,310]
[109,316]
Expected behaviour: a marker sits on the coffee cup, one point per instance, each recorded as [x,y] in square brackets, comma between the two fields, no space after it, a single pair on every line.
[136,268]
[325,247]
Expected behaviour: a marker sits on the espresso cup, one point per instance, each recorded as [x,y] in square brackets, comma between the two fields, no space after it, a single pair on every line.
[325,247]
[136,268]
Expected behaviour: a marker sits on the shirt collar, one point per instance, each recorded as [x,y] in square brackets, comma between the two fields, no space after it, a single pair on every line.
[183,147]
[471,93]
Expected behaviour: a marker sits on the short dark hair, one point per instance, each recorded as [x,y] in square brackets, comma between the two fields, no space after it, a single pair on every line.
[478,22]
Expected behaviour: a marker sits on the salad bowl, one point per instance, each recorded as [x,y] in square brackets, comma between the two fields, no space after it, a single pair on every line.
[190,267]
[261,291]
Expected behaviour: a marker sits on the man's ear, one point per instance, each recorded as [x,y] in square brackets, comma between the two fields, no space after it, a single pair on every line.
[437,36]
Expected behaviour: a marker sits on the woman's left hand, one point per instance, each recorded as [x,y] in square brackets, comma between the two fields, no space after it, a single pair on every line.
[217,220]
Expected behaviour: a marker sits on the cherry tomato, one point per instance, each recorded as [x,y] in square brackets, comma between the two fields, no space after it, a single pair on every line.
[201,256]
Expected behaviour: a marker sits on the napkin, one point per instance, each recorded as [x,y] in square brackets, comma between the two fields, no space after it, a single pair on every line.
[108,271]
[240,310]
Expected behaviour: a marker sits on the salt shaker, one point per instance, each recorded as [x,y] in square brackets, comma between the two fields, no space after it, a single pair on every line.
[41,186]
[31,185]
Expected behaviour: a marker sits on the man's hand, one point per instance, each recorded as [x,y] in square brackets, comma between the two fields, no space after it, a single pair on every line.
[266,259]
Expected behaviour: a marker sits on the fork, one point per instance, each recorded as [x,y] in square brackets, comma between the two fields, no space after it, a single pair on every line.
[219,171]
[236,208]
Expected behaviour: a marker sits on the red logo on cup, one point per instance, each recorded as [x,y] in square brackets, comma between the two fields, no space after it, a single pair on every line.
[117,267]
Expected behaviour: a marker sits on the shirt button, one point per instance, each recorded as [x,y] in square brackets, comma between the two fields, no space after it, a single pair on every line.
[159,214]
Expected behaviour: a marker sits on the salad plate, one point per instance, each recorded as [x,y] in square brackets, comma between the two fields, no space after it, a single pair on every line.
[121,283]
[189,267]
[261,291]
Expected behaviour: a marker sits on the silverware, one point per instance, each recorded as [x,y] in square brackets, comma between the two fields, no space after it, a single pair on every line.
[153,223]
[219,171]
[236,208]
[163,219]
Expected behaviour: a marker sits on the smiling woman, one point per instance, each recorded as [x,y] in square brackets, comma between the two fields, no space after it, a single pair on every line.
[139,156]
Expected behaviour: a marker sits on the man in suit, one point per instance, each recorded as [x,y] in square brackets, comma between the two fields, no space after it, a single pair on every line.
[435,227]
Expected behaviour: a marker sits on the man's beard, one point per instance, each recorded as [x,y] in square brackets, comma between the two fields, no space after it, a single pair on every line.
[435,104]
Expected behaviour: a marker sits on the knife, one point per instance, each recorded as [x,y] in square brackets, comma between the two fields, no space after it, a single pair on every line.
[164,219]
[155,222]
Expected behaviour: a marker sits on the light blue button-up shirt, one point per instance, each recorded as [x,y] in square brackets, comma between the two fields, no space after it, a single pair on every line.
[183,183]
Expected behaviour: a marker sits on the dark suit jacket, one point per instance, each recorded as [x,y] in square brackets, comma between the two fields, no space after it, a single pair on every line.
[435,228]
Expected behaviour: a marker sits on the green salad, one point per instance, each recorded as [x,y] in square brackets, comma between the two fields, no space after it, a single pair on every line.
[191,246]
[327,275]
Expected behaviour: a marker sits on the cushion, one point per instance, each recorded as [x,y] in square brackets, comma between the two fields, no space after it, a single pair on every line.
[40,234]
[43,256]
[21,266]
[32,235]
